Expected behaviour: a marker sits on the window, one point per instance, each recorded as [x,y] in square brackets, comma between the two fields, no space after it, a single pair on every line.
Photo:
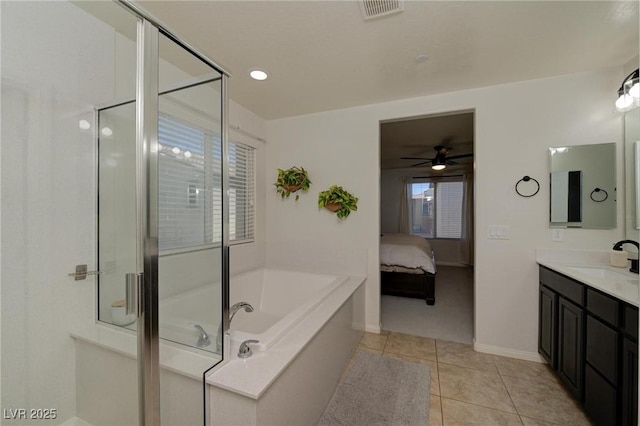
[435,209]
[190,195]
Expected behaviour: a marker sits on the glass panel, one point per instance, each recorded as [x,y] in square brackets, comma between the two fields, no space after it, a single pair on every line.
[190,201]
[59,60]
[117,211]
[190,210]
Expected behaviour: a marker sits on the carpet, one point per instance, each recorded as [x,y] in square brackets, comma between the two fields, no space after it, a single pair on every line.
[451,318]
[380,391]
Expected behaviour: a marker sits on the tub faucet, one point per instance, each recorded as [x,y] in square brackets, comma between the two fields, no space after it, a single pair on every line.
[203,339]
[634,262]
[235,308]
[232,311]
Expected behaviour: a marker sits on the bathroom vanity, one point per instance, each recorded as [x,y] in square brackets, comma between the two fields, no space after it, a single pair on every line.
[588,333]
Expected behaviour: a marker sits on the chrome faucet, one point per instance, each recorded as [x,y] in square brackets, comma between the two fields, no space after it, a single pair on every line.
[232,311]
[203,339]
[235,308]
[634,262]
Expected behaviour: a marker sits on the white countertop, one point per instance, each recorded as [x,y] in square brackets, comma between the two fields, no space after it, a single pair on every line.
[625,287]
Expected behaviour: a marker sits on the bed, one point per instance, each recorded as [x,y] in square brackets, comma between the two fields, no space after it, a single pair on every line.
[407,267]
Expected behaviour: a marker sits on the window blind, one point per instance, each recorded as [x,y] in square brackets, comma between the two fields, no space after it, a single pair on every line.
[449,209]
[435,209]
[190,186]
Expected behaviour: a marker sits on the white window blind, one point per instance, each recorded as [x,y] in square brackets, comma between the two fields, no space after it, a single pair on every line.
[448,209]
[190,182]
[435,209]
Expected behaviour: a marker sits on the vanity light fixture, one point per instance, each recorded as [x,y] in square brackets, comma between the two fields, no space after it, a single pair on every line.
[629,92]
[258,74]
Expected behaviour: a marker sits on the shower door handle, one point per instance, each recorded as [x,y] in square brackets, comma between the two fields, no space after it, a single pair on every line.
[133,289]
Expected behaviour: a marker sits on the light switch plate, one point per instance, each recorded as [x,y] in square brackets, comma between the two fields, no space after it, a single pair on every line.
[499,232]
[557,235]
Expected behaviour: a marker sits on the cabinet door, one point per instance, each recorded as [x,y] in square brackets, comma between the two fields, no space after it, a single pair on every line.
[547,325]
[599,398]
[570,346]
[602,348]
[629,382]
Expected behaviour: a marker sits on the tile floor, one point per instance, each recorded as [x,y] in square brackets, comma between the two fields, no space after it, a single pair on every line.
[473,388]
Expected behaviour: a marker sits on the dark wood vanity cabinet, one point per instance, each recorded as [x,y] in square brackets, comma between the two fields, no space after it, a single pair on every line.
[591,341]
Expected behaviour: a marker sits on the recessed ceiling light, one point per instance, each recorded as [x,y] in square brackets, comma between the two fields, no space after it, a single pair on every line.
[258,74]
[84,124]
[107,131]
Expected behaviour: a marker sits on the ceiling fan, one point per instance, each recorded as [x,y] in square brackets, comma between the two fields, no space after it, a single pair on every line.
[441,159]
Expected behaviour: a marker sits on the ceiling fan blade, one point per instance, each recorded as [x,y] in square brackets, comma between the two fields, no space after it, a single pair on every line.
[451,163]
[414,158]
[420,164]
[453,157]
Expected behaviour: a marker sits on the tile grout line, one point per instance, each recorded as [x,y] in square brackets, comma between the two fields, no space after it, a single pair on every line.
[481,406]
[507,389]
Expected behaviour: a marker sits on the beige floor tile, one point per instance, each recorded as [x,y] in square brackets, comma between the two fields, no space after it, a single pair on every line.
[527,421]
[526,369]
[374,341]
[477,387]
[366,349]
[435,383]
[461,413]
[546,401]
[435,411]
[413,346]
[463,356]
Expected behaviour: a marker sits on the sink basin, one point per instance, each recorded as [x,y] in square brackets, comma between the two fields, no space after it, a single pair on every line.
[602,273]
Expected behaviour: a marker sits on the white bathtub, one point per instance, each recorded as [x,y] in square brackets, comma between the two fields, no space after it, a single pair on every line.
[280,299]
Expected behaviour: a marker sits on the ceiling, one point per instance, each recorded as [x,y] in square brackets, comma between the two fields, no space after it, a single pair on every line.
[417,138]
[321,55]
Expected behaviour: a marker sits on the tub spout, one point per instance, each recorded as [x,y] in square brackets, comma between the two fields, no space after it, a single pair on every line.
[235,308]
[232,311]
[203,339]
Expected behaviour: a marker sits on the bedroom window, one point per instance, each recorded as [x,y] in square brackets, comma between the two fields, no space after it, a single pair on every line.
[190,197]
[435,209]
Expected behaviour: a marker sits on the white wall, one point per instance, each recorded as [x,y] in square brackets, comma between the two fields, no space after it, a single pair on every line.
[48,194]
[515,125]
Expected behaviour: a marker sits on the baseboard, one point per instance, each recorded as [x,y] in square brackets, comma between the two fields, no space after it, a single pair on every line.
[510,353]
[373,329]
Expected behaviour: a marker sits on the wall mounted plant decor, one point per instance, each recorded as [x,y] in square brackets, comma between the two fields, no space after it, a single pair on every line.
[338,201]
[292,180]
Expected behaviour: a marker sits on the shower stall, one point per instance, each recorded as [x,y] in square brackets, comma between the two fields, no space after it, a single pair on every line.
[114,155]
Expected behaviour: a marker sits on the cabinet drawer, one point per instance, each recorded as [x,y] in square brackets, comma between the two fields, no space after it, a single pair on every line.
[572,290]
[603,306]
[602,348]
[631,321]
[599,398]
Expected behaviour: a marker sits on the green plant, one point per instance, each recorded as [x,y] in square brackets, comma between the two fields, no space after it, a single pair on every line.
[291,180]
[338,200]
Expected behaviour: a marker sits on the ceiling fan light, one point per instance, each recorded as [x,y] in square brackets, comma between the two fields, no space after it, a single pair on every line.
[439,166]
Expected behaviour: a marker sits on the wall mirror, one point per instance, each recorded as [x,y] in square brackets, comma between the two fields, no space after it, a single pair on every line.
[632,174]
[583,186]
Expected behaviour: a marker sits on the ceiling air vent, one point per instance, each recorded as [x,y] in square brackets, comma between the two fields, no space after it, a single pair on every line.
[372,9]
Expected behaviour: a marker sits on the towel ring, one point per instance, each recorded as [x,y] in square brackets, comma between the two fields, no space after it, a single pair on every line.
[527,179]
[606,195]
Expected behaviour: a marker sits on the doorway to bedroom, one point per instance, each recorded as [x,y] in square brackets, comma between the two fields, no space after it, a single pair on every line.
[427,225]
